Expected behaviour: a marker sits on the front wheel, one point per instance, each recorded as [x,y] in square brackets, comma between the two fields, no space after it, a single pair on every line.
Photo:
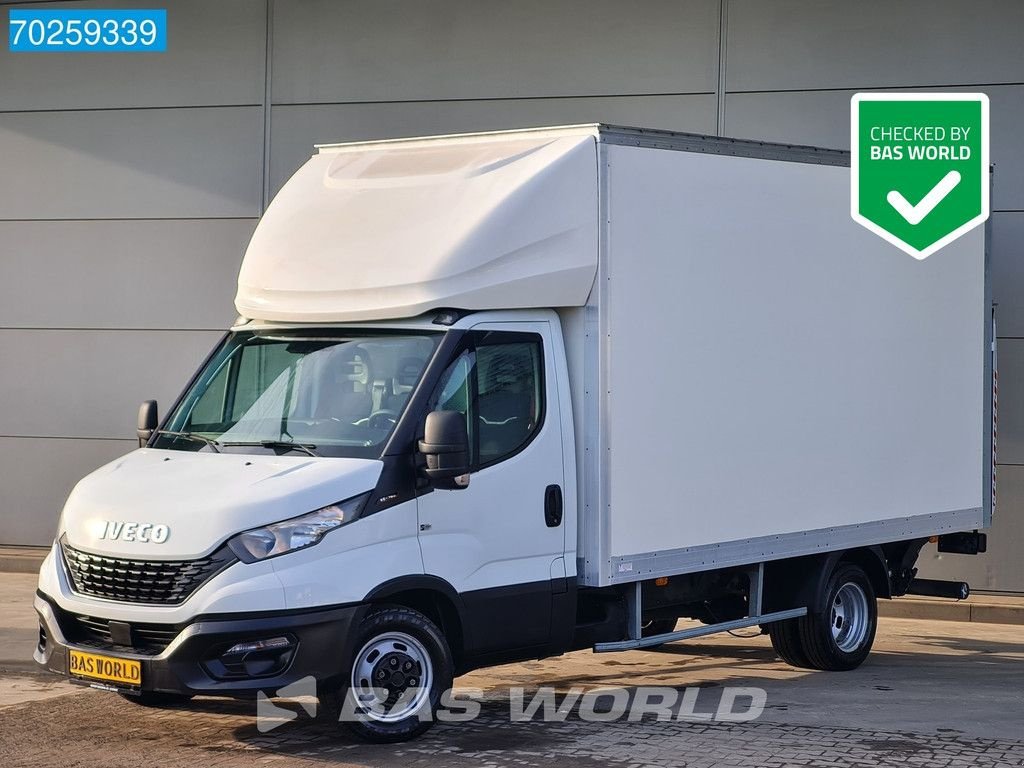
[400,669]
[840,636]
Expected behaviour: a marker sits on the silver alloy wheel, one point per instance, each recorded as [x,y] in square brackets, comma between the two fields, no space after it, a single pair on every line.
[391,677]
[850,617]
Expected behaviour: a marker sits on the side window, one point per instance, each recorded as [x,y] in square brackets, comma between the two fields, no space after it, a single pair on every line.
[455,393]
[509,395]
[500,388]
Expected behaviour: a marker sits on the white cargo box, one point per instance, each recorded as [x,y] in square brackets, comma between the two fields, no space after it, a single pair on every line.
[754,376]
[774,379]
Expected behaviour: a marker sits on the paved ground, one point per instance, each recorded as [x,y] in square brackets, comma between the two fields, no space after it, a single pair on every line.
[933,694]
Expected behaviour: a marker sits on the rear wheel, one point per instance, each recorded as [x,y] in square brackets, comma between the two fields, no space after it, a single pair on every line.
[401,667]
[840,636]
[657,627]
[785,637]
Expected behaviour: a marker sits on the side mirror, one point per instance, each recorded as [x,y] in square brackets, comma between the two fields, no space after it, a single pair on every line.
[445,444]
[148,421]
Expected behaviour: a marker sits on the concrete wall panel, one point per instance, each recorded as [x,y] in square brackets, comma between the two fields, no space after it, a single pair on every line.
[389,50]
[215,55]
[1000,568]
[45,472]
[90,383]
[1008,273]
[1011,401]
[809,44]
[151,163]
[120,273]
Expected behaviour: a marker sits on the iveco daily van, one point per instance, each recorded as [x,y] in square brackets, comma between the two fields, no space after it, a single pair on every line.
[500,396]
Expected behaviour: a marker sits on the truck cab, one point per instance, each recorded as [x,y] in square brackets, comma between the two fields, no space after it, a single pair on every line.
[290,486]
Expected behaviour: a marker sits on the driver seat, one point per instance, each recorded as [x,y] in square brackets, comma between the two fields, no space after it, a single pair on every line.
[344,395]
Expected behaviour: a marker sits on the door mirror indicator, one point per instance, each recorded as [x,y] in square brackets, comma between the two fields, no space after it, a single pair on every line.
[147,423]
[445,445]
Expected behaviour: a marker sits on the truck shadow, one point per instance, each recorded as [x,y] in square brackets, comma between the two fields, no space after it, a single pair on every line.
[891,677]
[489,735]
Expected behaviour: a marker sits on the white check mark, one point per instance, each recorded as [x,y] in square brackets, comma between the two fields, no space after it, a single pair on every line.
[915,213]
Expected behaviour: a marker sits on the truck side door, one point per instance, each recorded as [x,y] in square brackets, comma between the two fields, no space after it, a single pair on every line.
[500,542]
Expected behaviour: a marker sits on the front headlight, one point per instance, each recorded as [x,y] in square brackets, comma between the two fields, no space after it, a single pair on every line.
[296,533]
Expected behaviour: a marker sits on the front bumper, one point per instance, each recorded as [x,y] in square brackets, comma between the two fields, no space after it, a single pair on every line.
[191,663]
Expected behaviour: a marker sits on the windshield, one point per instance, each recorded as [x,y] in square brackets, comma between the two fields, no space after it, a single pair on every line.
[329,393]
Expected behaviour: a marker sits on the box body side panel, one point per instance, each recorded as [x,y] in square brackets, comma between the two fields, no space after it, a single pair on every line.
[774,371]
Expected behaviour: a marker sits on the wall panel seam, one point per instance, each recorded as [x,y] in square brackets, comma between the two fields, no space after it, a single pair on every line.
[863,87]
[723,26]
[50,110]
[132,218]
[268,100]
[559,97]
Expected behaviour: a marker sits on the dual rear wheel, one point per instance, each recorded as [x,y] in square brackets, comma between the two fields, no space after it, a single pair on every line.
[839,633]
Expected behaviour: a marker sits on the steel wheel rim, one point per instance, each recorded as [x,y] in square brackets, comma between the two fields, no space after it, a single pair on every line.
[391,677]
[850,617]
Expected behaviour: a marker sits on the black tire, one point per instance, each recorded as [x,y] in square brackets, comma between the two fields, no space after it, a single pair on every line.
[156,700]
[785,637]
[657,627]
[426,655]
[838,635]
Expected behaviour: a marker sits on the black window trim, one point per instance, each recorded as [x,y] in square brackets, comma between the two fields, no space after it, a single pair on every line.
[477,339]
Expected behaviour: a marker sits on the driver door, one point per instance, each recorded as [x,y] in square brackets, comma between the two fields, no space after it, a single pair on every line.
[497,541]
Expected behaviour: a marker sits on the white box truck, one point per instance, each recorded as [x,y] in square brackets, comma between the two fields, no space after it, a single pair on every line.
[500,396]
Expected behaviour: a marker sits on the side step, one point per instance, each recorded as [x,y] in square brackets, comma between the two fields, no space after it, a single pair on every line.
[689,634]
[636,640]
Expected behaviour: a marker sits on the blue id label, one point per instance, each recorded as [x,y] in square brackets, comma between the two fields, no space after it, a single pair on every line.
[92,30]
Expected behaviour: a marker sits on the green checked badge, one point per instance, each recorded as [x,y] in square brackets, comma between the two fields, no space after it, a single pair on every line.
[919,167]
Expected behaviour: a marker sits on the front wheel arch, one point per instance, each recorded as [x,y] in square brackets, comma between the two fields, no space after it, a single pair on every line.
[432,596]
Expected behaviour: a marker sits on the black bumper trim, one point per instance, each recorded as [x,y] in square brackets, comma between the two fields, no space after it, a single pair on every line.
[323,644]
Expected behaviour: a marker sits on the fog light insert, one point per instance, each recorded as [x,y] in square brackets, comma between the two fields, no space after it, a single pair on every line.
[253,658]
[259,645]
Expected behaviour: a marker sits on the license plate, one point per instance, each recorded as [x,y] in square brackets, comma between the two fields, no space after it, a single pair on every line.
[93,666]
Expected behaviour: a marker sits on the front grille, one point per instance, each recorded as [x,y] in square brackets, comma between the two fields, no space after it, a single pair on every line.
[94,632]
[157,582]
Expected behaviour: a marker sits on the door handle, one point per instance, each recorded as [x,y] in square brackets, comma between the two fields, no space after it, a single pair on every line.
[553,506]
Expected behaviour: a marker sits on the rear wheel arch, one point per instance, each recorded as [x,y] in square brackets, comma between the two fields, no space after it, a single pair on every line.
[800,581]
[875,565]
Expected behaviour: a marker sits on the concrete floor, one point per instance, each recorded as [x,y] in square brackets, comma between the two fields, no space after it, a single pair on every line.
[932,693]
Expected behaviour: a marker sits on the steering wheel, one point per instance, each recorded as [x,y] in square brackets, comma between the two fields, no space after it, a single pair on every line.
[385,418]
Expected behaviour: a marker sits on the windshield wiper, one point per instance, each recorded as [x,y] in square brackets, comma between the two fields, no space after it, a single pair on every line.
[192,436]
[288,444]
